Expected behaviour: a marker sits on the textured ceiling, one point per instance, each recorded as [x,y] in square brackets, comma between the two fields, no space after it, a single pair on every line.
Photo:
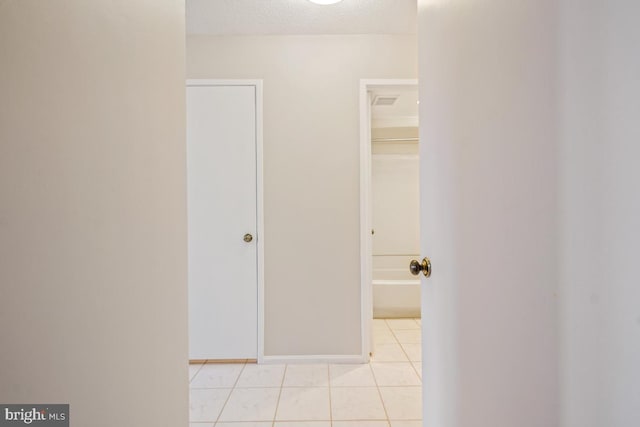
[235,17]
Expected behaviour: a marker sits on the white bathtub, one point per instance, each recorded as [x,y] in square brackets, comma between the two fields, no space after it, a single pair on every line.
[396,293]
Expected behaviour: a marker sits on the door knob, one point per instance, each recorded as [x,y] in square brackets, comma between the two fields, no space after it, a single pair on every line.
[416,267]
[248,237]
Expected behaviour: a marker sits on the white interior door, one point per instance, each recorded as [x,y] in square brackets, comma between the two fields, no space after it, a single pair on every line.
[489,203]
[222,190]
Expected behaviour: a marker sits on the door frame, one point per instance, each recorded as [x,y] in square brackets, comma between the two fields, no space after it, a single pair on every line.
[257,84]
[366,247]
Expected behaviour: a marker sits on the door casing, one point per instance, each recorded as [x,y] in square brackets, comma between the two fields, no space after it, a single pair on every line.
[366,250]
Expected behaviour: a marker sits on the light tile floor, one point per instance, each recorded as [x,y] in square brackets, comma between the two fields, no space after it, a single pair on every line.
[383,393]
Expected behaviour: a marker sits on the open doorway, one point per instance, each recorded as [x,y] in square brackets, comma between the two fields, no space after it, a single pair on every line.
[390,212]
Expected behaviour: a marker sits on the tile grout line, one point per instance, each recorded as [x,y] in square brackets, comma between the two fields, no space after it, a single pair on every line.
[329,382]
[397,341]
[197,372]
[230,392]
[384,407]
[413,362]
[275,413]
[408,358]
[415,370]
[404,351]
[295,387]
[407,354]
[376,344]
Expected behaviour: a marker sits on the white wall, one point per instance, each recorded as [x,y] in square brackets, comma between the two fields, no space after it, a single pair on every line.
[92,212]
[311,167]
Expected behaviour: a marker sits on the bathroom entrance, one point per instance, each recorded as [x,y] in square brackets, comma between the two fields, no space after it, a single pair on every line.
[390,212]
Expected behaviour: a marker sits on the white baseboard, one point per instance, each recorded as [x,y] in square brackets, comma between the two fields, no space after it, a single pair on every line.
[324,358]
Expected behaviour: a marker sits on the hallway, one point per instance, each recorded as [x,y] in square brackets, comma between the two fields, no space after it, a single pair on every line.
[383,393]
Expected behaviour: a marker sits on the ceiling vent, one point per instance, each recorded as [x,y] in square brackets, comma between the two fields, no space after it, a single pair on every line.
[385,100]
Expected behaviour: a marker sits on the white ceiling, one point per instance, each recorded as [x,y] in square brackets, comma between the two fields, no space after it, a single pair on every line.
[235,17]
